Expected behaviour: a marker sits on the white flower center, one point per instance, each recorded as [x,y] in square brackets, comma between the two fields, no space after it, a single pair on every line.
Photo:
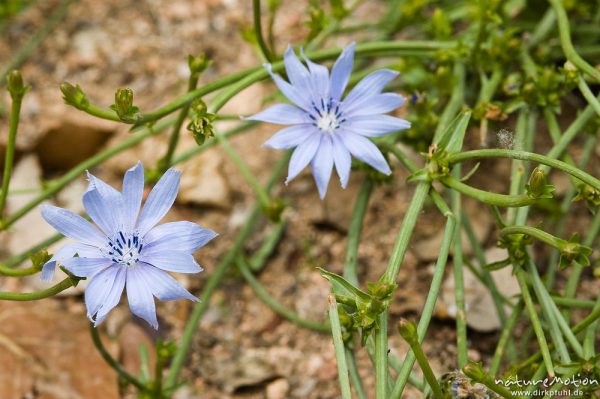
[328,122]
[125,248]
[326,115]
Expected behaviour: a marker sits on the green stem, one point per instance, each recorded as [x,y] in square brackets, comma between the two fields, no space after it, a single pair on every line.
[175,133]
[233,155]
[567,44]
[213,282]
[506,337]
[113,363]
[459,284]
[273,303]
[517,173]
[588,95]
[573,303]
[589,339]
[526,156]
[260,256]
[542,29]
[354,375]
[535,321]
[354,231]
[15,110]
[534,232]
[381,357]
[28,48]
[258,31]
[403,239]
[338,344]
[10,272]
[89,163]
[432,296]
[34,296]
[486,196]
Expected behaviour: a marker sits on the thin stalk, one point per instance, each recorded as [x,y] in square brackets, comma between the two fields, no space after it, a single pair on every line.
[550,317]
[588,95]
[113,363]
[32,44]
[213,282]
[589,339]
[486,196]
[534,232]
[547,160]
[233,155]
[34,296]
[535,321]
[273,303]
[10,272]
[408,225]
[577,269]
[264,49]
[573,303]
[567,44]
[175,133]
[338,344]
[354,231]
[459,283]
[89,163]
[259,258]
[542,29]
[506,337]
[381,360]
[517,167]
[13,123]
[354,375]
[432,296]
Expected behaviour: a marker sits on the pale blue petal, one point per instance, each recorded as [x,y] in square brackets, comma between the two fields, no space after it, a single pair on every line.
[133,190]
[163,286]
[86,267]
[372,84]
[319,78]
[342,159]
[159,201]
[172,261]
[87,251]
[290,137]
[371,105]
[283,114]
[363,149]
[302,156]
[73,226]
[322,165]
[292,93]
[104,291]
[375,125]
[177,236]
[296,72]
[102,210]
[66,251]
[340,73]
[139,296]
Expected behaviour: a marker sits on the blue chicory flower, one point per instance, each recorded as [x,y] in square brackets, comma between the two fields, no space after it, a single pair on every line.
[128,252]
[327,129]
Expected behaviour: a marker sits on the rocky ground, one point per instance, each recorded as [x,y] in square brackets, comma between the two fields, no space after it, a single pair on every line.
[242,349]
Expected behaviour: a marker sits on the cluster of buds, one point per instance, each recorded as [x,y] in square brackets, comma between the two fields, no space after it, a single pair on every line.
[201,122]
[124,107]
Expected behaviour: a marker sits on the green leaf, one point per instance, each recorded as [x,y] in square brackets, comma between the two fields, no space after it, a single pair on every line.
[343,287]
[451,139]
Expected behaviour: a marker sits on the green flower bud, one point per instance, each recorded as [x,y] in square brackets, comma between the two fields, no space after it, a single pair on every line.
[15,84]
[475,371]
[408,331]
[74,96]
[123,105]
[198,64]
[201,125]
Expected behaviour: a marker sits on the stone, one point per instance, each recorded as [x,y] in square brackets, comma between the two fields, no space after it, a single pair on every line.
[479,305]
[47,352]
[278,389]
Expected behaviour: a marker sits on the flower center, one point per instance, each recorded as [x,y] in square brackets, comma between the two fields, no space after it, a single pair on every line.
[125,248]
[326,117]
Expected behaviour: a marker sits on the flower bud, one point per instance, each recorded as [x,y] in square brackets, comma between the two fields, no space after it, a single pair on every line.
[74,96]
[537,182]
[198,64]
[475,371]
[408,331]
[123,105]
[15,84]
